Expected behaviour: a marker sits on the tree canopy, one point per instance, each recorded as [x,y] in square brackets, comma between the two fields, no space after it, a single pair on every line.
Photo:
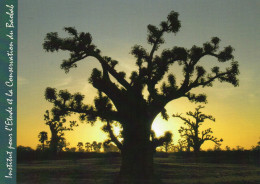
[122,99]
[151,70]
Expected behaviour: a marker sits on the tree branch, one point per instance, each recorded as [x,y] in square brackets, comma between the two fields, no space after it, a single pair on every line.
[112,136]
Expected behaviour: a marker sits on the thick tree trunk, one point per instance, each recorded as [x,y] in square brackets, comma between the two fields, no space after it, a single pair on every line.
[54,143]
[137,166]
[196,147]
[137,157]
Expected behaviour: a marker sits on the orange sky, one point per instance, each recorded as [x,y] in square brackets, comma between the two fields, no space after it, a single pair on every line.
[116,27]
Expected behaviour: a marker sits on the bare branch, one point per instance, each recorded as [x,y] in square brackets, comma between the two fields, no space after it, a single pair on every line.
[112,136]
[192,134]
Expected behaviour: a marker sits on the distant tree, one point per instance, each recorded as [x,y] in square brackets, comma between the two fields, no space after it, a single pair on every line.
[57,126]
[80,147]
[72,149]
[62,144]
[96,146]
[228,148]
[21,148]
[135,102]
[239,148]
[88,147]
[172,148]
[194,137]
[25,153]
[217,147]
[182,145]
[110,147]
[43,136]
[257,147]
[168,141]
[165,141]
[40,148]
[46,146]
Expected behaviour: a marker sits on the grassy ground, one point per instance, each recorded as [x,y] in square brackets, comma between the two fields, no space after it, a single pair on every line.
[104,170]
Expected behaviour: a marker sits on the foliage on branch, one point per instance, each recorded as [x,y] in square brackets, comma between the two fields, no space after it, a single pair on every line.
[151,68]
[122,99]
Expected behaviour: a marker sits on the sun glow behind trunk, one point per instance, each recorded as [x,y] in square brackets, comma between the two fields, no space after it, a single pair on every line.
[160,126]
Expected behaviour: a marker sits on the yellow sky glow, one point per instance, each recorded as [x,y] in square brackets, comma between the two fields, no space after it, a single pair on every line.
[114,32]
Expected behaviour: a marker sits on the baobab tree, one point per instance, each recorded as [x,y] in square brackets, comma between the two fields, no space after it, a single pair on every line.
[195,137]
[57,127]
[43,136]
[134,102]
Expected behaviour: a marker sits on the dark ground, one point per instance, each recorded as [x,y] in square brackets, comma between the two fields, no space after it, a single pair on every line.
[174,169]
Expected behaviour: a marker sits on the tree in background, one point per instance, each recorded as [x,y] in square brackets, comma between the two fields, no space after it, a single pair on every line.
[96,146]
[217,147]
[227,148]
[40,148]
[191,133]
[21,148]
[43,136]
[57,127]
[80,147]
[88,147]
[62,144]
[110,147]
[72,149]
[182,145]
[257,147]
[165,141]
[168,143]
[123,99]
[239,148]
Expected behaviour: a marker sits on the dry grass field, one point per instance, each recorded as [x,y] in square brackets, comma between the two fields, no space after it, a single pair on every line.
[104,170]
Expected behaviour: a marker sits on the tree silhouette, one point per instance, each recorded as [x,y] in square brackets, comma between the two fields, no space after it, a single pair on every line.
[181,145]
[228,148]
[62,144]
[239,148]
[57,127]
[80,146]
[88,147]
[43,136]
[163,141]
[194,137]
[123,100]
[110,147]
[96,146]
[168,143]
[72,149]
[257,147]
